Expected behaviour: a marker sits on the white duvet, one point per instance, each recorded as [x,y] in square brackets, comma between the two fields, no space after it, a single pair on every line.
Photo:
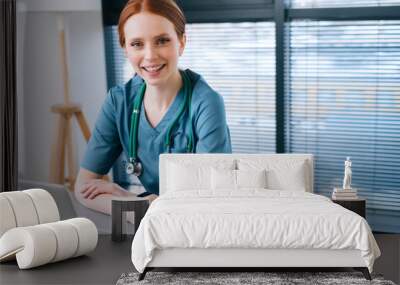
[251,218]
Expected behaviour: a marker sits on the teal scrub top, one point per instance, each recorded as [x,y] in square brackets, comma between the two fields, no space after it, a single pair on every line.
[111,131]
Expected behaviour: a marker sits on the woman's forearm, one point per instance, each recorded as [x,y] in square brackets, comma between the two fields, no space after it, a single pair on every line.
[100,203]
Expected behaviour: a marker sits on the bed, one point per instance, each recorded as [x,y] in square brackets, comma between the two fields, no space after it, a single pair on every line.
[247,210]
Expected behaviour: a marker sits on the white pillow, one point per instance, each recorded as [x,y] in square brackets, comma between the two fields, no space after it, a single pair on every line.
[287,176]
[282,174]
[251,178]
[225,179]
[188,176]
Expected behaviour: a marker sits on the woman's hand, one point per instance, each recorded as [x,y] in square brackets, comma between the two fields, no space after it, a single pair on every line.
[95,187]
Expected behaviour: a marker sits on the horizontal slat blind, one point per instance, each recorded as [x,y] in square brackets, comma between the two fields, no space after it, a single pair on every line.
[238,61]
[341,3]
[119,70]
[343,99]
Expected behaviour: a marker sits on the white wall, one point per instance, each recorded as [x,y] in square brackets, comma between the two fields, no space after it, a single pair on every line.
[40,82]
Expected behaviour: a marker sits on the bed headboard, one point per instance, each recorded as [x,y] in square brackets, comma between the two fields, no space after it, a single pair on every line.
[209,159]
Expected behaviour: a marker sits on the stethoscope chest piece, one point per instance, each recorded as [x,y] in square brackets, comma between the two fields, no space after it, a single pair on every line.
[134,168]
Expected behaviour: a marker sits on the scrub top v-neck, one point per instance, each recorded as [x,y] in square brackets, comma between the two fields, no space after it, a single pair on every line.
[165,120]
[111,132]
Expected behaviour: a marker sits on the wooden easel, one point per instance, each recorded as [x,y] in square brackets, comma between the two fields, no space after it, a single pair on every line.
[63,146]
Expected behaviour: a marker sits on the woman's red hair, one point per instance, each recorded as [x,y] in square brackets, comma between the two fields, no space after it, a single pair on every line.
[165,8]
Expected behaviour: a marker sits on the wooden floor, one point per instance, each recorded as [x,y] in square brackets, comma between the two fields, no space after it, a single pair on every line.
[110,260]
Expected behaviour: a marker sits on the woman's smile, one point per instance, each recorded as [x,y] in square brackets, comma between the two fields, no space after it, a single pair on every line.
[153,70]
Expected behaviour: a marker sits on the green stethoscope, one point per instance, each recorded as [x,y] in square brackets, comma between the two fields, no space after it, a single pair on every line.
[134,166]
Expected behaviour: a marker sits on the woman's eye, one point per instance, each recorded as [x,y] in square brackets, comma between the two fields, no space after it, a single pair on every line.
[136,44]
[162,41]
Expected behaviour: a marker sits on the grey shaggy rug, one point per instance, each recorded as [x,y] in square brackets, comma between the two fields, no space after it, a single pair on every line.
[242,278]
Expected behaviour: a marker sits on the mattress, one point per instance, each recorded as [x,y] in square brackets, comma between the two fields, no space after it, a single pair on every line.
[250,219]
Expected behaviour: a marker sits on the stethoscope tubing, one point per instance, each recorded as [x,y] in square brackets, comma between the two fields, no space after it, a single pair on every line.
[134,166]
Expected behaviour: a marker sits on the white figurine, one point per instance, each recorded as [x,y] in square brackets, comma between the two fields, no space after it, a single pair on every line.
[347,174]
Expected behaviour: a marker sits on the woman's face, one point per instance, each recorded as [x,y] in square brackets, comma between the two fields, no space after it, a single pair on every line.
[152,47]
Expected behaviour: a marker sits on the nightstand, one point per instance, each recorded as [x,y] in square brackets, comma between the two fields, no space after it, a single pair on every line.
[119,206]
[357,205]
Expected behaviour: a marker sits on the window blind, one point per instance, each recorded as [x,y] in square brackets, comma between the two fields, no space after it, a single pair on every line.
[343,97]
[119,70]
[341,3]
[238,61]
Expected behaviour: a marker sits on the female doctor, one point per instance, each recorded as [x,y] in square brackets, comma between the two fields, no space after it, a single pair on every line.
[161,109]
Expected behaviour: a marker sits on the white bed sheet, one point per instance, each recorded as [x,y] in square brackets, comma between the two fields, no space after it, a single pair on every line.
[250,218]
